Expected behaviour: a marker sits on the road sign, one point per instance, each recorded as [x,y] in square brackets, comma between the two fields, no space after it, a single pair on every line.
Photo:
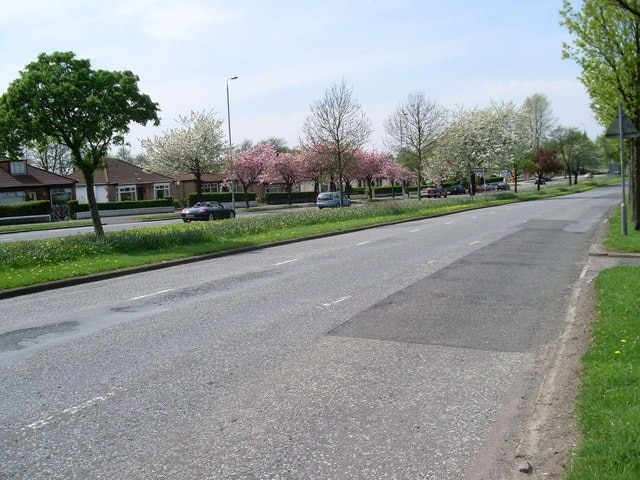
[476,169]
[629,130]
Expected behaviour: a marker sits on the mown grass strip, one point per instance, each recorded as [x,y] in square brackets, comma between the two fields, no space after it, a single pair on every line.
[31,262]
[609,400]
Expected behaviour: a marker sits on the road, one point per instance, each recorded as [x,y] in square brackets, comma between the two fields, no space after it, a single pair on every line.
[401,352]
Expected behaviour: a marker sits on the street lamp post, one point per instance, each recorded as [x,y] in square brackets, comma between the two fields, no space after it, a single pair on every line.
[233,196]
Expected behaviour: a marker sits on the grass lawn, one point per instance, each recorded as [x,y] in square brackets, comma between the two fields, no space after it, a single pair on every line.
[609,400]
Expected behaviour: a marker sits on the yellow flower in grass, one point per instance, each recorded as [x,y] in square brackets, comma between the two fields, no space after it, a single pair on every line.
[617,352]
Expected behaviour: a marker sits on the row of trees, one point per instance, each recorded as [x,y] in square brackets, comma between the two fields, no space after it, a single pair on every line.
[60,100]
[425,143]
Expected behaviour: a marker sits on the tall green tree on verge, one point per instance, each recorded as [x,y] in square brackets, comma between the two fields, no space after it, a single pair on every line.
[575,150]
[337,126]
[61,97]
[196,147]
[413,131]
[606,45]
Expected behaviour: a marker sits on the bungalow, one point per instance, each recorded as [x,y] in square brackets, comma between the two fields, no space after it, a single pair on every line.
[120,181]
[21,182]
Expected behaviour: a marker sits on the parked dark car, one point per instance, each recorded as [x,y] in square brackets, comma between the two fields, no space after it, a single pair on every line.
[457,189]
[502,186]
[207,211]
[433,192]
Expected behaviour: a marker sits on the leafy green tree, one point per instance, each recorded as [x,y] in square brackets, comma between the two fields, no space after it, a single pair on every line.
[60,96]
[575,150]
[606,45]
[196,147]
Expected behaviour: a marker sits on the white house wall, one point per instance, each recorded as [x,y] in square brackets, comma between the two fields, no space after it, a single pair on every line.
[102,194]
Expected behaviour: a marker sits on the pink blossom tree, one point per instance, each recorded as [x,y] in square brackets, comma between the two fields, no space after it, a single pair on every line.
[395,172]
[287,168]
[316,166]
[248,166]
[370,166]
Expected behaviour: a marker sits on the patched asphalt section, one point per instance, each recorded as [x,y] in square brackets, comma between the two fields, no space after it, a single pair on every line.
[499,313]
[23,338]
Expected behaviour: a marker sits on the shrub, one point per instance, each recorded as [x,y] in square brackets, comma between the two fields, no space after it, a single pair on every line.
[38,207]
[224,197]
[279,198]
[75,206]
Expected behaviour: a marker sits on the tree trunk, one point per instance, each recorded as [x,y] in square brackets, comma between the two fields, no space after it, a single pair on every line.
[634,179]
[245,189]
[93,205]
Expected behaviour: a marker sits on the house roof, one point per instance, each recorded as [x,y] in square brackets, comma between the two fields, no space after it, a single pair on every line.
[206,177]
[120,172]
[35,177]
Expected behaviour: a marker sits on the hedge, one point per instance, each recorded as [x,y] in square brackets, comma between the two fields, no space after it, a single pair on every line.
[224,197]
[32,207]
[75,206]
[280,198]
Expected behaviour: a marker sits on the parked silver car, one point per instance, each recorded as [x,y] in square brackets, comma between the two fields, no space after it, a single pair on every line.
[332,200]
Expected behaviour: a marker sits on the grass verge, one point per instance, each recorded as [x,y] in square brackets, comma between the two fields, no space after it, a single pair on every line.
[608,405]
[38,261]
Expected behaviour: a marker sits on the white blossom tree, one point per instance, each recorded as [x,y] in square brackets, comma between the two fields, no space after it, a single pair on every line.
[196,147]
[490,138]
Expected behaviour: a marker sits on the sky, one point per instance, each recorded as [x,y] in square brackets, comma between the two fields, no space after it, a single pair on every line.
[288,53]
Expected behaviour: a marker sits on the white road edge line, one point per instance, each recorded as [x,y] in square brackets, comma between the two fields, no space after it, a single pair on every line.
[152,294]
[363,243]
[473,243]
[285,262]
[69,411]
[416,230]
[584,271]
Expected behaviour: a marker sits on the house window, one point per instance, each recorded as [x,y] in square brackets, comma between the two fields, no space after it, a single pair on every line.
[211,187]
[60,195]
[18,168]
[126,194]
[161,190]
[11,197]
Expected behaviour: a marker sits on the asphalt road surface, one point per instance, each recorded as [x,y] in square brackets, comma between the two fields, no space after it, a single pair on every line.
[400,352]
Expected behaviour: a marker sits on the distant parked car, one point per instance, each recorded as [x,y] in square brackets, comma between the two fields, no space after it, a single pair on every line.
[207,211]
[502,186]
[457,189]
[588,175]
[490,187]
[332,200]
[540,181]
[433,192]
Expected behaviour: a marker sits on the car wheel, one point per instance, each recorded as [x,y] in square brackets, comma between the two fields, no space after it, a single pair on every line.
[232,215]
[185,220]
[211,217]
